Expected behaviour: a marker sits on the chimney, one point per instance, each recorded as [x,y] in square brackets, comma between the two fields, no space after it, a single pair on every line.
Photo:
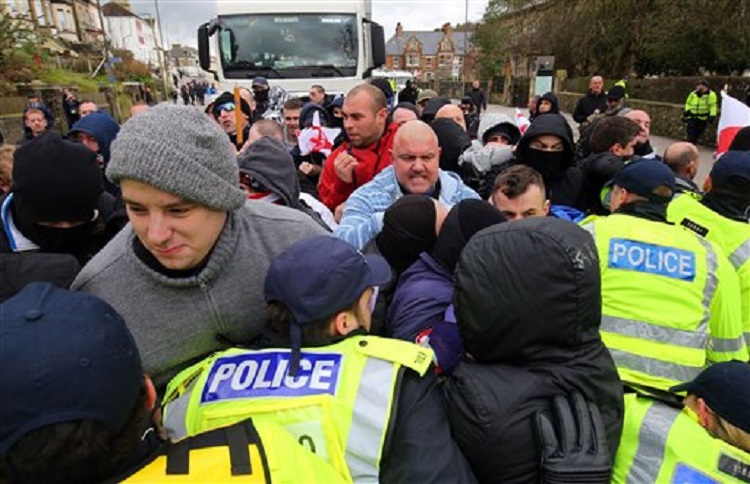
[399,30]
[448,30]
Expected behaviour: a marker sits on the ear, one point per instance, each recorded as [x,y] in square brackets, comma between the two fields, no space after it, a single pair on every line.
[342,323]
[150,392]
[704,415]
[382,114]
[546,207]
[707,185]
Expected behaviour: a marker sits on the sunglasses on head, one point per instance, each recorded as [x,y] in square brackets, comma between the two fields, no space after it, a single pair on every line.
[229,107]
[247,180]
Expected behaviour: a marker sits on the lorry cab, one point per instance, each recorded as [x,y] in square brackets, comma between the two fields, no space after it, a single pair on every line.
[293,44]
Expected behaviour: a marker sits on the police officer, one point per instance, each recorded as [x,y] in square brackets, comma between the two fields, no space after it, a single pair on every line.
[700,110]
[708,440]
[81,409]
[346,394]
[721,216]
[670,299]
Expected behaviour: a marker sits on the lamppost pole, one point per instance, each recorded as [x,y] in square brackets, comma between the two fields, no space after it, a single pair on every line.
[466,42]
[162,57]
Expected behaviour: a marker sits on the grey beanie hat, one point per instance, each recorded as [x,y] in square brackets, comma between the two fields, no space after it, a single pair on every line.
[181,151]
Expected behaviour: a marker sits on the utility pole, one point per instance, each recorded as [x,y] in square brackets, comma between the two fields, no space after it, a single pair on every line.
[162,52]
[466,41]
[108,63]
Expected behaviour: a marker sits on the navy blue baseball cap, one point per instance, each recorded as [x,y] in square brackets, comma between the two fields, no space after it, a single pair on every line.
[731,166]
[643,177]
[318,277]
[64,356]
[725,387]
[260,81]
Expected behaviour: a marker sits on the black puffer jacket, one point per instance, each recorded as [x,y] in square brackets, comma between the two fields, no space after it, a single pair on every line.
[533,335]
[564,182]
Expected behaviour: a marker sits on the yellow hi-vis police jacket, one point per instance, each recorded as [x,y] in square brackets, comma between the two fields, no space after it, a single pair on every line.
[247,451]
[663,445]
[339,404]
[731,235]
[670,301]
[703,106]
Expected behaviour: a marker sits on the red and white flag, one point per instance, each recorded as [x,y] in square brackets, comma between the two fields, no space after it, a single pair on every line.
[317,139]
[735,115]
[522,121]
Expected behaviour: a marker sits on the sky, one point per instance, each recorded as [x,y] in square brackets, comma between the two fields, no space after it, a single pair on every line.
[180,18]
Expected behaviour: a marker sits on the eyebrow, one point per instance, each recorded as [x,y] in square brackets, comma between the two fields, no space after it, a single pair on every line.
[167,206]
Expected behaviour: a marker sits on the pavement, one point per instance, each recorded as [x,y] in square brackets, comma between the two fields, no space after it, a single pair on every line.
[659,143]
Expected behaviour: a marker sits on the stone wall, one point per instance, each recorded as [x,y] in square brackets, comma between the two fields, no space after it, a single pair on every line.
[665,117]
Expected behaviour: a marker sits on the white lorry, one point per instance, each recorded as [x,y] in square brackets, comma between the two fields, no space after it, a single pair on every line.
[294,44]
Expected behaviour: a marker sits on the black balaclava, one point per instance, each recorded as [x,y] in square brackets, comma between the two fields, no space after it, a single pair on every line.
[463,221]
[453,141]
[408,230]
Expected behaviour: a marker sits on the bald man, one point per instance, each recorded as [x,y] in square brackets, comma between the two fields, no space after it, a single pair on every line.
[595,101]
[683,158]
[414,170]
[453,112]
[642,143]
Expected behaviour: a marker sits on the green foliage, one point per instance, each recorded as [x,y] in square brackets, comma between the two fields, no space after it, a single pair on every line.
[130,69]
[86,84]
[619,37]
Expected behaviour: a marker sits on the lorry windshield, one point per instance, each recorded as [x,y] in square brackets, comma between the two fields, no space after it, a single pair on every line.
[288,45]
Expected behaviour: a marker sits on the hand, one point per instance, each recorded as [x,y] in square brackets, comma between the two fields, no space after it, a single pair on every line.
[338,214]
[344,166]
[309,169]
[581,453]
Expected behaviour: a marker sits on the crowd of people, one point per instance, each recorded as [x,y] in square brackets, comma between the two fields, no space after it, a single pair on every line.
[377,286]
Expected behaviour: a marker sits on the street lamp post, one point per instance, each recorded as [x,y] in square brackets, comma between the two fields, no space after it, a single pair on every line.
[466,42]
[162,51]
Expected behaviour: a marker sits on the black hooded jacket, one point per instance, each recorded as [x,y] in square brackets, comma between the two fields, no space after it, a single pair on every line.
[598,169]
[533,335]
[564,181]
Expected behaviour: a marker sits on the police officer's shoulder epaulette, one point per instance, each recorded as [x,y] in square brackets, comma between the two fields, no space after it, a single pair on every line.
[694,227]
[404,353]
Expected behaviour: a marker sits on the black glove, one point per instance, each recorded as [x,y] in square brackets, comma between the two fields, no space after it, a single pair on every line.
[573,443]
[711,119]
[687,115]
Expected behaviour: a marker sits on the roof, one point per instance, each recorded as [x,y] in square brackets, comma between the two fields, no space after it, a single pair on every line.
[180,51]
[429,40]
[113,9]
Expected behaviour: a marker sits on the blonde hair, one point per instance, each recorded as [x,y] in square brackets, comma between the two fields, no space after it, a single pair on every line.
[6,166]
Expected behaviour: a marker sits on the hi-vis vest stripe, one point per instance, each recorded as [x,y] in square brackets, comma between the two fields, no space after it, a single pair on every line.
[740,255]
[338,405]
[652,443]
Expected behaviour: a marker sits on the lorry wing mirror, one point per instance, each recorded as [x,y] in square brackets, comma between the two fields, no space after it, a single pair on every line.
[377,39]
[204,55]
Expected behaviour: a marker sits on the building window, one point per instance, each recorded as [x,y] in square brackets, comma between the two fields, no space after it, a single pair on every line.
[412,60]
[428,62]
[61,19]
[396,61]
[444,60]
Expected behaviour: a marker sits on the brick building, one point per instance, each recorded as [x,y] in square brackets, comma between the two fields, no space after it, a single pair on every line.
[436,55]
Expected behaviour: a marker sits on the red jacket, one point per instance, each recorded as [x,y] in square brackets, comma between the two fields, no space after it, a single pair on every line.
[332,191]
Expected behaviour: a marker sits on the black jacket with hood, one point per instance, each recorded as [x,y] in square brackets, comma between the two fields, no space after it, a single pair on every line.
[564,181]
[533,335]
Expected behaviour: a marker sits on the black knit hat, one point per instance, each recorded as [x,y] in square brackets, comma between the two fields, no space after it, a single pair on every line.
[55,180]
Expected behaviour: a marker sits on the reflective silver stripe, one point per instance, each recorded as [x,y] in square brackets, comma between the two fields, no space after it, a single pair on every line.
[589,227]
[726,345]
[652,441]
[712,265]
[175,417]
[369,420]
[740,255]
[651,332]
[654,367]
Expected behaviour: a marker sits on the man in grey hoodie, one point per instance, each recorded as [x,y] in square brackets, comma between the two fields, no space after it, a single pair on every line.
[187,273]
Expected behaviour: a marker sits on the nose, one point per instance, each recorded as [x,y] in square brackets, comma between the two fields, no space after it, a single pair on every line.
[159,231]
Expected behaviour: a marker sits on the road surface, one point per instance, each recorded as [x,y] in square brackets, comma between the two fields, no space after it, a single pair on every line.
[659,143]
